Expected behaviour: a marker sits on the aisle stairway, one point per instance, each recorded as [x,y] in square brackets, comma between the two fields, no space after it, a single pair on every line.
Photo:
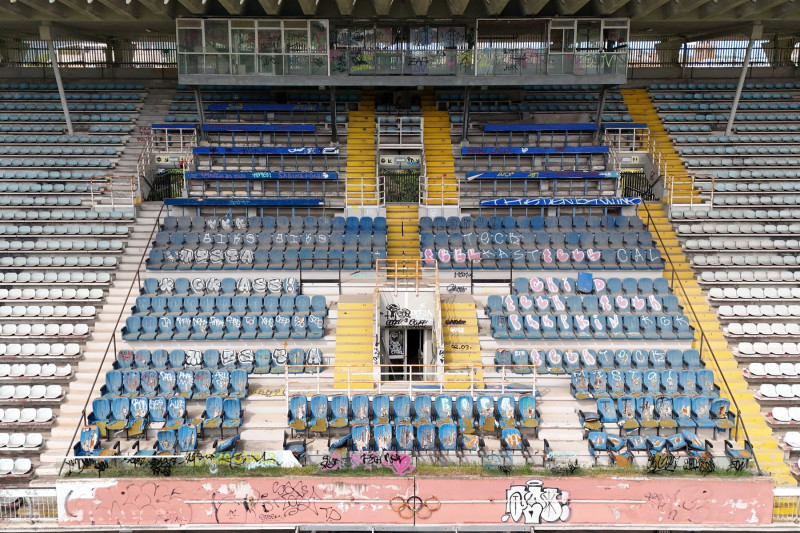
[360,172]
[642,110]
[442,188]
[768,453]
[402,223]
[461,345]
[355,324]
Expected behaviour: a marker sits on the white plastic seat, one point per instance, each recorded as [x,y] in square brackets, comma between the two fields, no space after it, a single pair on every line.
[21,392]
[16,440]
[53,392]
[5,368]
[11,415]
[37,392]
[4,440]
[6,466]
[6,392]
[794,413]
[757,369]
[787,369]
[21,466]
[48,370]
[792,439]
[17,370]
[772,369]
[27,415]
[64,371]
[33,440]
[781,414]
[761,348]
[784,390]
[43,414]
[746,348]
[32,370]
[767,390]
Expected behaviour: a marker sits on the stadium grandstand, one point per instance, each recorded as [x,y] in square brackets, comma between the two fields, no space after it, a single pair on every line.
[362,265]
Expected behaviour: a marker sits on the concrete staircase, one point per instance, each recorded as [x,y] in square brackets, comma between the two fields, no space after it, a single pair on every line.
[355,322]
[767,450]
[442,186]
[402,237]
[461,344]
[119,299]
[642,110]
[361,185]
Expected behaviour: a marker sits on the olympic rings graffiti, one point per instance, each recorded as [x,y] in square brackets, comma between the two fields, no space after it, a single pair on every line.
[415,506]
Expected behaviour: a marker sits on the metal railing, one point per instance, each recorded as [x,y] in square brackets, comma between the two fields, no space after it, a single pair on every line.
[786,504]
[396,274]
[398,132]
[151,51]
[111,346]
[28,505]
[444,196]
[357,191]
[739,431]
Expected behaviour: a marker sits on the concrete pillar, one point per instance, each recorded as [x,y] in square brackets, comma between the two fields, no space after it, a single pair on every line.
[668,53]
[779,51]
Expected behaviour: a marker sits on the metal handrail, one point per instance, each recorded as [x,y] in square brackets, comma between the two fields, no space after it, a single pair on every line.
[112,343]
[675,282]
[357,199]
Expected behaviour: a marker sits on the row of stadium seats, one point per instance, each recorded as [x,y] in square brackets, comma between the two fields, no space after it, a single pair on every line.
[555,361]
[197,385]
[261,361]
[221,327]
[222,305]
[216,286]
[617,383]
[652,327]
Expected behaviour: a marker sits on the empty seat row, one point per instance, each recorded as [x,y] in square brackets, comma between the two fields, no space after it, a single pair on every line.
[744,161]
[774,329]
[104,128]
[740,150]
[628,414]
[653,327]
[13,441]
[762,199]
[281,224]
[721,86]
[555,361]
[55,150]
[575,304]
[546,259]
[484,413]
[221,327]
[725,139]
[745,95]
[262,361]
[738,228]
[12,416]
[760,370]
[262,259]
[756,311]
[287,305]
[775,215]
[59,201]
[587,284]
[15,467]
[783,415]
[71,107]
[216,286]
[69,188]
[71,214]
[487,240]
[768,348]
[268,241]
[617,383]
[765,127]
[783,390]
[61,139]
[55,277]
[44,117]
[31,392]
[785,186]
[136,415]
[189,384]
[741,117]
[758,173]
[47,311]
[685,128]
[730,245]
[64,229]
[34,370]
[61,245]
[58,261]
[754,293]
[59,162]
[32,128]
[36,329]
[760,106]
[750,276]
[27,87]
[42,349]
[746,260]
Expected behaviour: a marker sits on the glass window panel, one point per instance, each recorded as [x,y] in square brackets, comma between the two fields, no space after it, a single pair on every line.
[190,40]
[243,41]
[319,36]
[269,41]
[296,41]
[270,64]
[244,64]
[190,23]
[217,36]
[190,64]
[318,65]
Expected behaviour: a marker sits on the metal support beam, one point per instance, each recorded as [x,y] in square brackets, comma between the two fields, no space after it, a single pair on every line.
[91,11]
[234,7]
[457,7]
[128,11]
[641,10]
[198,98]
[44,33]
[195,7]
[755,34]
[601,104]
[465,118]
[607,7]
[334,130]
[532,7]
[50,11]
[382,7]
[495,7]
[159,7]
[272,7]
[569,7]
[346,6]
[682,9]
[420,7]
[309,7]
